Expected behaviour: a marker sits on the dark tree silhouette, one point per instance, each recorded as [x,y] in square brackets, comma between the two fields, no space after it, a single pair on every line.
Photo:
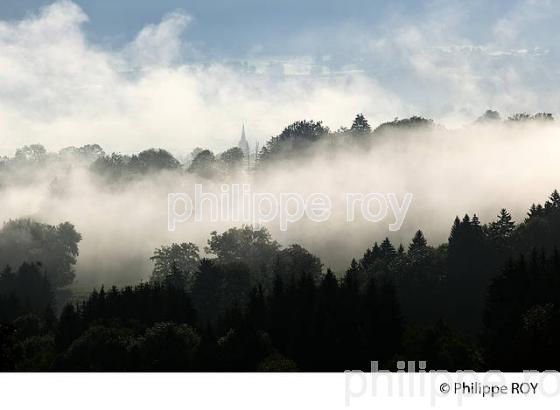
[175,259]
[56,247]
[360,127]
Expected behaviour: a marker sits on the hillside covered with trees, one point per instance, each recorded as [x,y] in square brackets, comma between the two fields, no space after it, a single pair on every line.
[487,298]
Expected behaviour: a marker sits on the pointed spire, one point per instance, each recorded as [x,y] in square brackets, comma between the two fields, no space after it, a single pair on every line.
[243,144]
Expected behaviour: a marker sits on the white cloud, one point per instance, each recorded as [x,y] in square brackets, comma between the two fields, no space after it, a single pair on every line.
[454,76]
[159,44]
[59,89]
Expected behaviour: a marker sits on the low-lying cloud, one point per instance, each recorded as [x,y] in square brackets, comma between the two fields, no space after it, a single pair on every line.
[479,169]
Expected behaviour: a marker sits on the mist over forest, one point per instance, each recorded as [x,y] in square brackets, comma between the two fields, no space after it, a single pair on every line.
[83,219]
[118,203]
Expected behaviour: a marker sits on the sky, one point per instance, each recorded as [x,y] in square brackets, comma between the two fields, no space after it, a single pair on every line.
[134,74]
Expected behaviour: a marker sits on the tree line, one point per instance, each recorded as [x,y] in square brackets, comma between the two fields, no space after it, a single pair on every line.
[296,141]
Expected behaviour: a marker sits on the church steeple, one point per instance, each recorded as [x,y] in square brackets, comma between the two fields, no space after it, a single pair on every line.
[243,144]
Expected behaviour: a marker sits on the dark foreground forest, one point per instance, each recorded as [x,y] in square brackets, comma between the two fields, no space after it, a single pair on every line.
[487,299]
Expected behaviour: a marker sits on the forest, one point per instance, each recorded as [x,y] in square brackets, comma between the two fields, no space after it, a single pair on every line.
[487,298]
